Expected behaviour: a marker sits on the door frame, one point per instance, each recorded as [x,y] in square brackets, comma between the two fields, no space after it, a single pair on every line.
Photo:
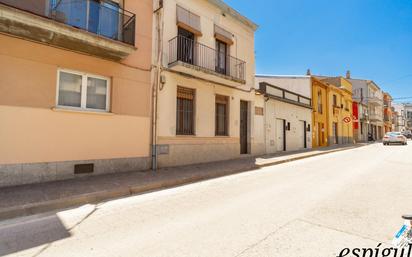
[244,142]
[283,132]
[305,143]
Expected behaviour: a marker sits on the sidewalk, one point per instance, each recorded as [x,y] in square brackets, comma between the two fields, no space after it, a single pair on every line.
[37,198]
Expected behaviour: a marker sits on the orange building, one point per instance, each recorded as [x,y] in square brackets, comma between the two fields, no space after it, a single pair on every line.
[74,88]
[387,112]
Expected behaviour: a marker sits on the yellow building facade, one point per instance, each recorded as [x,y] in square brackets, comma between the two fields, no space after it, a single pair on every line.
[320,108]
[339,110]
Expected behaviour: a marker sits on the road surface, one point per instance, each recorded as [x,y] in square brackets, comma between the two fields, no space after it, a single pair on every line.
[312,207]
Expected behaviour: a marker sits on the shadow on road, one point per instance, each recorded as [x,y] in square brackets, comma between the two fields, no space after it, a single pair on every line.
[26,235]
[36,232]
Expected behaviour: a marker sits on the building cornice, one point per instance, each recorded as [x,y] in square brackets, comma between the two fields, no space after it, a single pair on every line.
[226,9]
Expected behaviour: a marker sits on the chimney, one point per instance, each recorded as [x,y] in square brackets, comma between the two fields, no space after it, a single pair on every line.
[308,72]
[348,74]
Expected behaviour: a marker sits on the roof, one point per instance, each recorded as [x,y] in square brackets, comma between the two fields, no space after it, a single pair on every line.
[281,76]
[235,14]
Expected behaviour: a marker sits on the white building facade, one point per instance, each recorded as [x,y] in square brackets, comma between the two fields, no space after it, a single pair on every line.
[205,96]
[287,112]
[408,116]
[400,124]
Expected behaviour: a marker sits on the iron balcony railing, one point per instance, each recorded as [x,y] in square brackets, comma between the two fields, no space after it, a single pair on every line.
[374,100]
[375,116]
[101,17]
[281,94]
[188,51]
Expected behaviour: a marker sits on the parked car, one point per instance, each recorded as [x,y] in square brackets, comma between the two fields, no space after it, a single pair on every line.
[407,134]
[394,138]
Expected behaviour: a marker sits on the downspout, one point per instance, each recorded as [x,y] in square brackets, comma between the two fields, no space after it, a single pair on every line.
[156,83]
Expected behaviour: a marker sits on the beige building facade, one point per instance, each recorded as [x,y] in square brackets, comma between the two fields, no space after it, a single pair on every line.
[205,98]
[74,89]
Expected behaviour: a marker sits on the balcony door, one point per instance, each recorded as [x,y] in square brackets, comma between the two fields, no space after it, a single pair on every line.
[185,46]
[221,57]
[109,19]
[101,18]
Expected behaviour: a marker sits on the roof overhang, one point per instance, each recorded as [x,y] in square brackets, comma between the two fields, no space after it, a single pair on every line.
[226,9]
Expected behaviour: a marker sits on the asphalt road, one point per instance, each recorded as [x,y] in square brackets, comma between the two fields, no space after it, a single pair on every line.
[312,207]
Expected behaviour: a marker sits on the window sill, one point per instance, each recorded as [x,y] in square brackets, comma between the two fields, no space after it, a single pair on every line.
[80,111]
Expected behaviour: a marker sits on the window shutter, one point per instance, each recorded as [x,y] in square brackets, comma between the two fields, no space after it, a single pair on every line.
[223,35]
[188,20]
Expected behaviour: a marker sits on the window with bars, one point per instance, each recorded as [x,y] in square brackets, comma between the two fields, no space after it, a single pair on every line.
[222,108]
[185,111]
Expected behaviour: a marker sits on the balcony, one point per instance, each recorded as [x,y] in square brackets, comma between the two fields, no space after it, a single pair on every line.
[373,100]
[375,117]
[283,95]
[363,116]
[188,56]
[98,28]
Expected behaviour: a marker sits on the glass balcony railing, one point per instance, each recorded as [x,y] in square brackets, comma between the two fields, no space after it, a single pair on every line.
[104,18]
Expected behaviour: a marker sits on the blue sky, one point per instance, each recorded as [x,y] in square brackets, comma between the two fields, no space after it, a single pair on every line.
[371,38]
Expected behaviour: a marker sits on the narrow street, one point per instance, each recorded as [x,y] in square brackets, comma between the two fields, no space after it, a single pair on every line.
[312,207]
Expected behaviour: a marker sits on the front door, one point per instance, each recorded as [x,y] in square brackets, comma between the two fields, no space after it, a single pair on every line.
[335,133]
[280,135]
[243,127]
[303,129]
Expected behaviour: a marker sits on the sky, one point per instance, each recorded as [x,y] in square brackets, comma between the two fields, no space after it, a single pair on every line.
[371,38]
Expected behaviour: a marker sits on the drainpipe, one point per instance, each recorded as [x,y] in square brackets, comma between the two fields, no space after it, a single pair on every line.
[156,82]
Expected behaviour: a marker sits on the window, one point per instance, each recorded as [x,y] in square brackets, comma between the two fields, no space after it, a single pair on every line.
[222,108]
[185,111]
[335,100]
[320,107]
[83,91]
[221,60]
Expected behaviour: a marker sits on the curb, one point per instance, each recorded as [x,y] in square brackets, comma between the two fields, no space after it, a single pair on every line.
[88,198]
[308,156]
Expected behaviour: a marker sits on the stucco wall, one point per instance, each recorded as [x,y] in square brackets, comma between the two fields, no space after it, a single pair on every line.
[293,114]
[345,129]
[243,36]
[34,131]
[204,146]
[298,84]
[319,135]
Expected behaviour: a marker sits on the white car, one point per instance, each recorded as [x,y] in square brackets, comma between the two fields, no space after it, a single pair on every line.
[394,138]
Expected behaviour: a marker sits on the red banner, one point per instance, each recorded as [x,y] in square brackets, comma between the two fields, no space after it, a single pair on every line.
[355,115]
